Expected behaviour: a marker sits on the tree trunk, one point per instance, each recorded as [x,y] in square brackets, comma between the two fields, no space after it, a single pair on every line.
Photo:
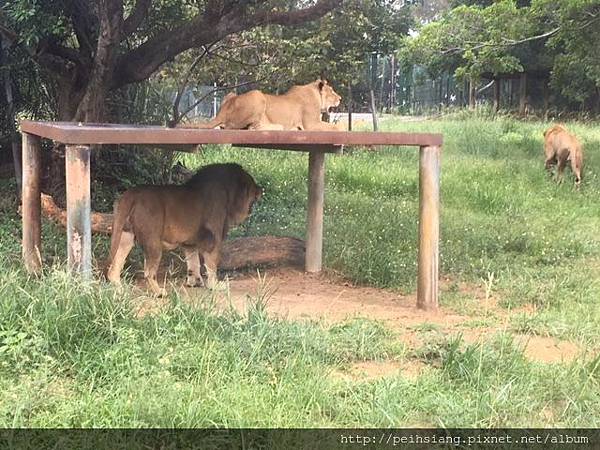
[69,96]
[10,117]
[92,106]
[472,94]
[82,98]
[523,94]
[496,95]
[374,111]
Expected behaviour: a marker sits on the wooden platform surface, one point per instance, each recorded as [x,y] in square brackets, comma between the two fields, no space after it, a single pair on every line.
[75,133]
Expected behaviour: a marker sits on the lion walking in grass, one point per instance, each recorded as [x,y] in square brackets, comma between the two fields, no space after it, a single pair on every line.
[561,147]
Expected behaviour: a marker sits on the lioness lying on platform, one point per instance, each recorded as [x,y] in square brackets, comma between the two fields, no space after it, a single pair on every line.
[196,216]
[299,108]
[561,146]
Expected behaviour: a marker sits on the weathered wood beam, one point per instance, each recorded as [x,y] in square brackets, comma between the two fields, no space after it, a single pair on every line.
[429,228]
[314,224]
[32,223]
[79,232]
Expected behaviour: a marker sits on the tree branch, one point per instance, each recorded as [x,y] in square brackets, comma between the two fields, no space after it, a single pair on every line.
[49,54]
[504,43]
[54,48]
[84,25]
[233,60]
[141,62]
[213,10]
[291,18]
[480,90]
[133,21]
[53,62]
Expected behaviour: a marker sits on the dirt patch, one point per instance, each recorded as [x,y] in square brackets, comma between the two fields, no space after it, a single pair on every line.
[374,370]
[547,349]
[367,370]
[413,369]
[295,295]
[482,299]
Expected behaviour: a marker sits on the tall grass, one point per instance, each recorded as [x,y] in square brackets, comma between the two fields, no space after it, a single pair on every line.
[78,355]
[74,355]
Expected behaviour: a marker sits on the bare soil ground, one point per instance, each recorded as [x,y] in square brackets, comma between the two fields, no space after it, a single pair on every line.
[292,294]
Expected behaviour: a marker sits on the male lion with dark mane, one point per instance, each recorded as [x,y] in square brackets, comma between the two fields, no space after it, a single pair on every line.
[299,108]
[561,146]
[196,216]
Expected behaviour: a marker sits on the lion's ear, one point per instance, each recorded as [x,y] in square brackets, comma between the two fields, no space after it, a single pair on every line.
[320,84]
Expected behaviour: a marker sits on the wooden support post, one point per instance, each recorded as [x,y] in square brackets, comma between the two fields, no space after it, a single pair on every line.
[32,223]
[79,232]
[429,227]
[314,226]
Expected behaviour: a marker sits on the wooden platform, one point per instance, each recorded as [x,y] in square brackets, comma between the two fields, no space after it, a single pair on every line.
[79,137]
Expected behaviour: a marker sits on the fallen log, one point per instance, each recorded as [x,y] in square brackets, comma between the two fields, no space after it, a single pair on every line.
[236,254]
[101,222]
[262,251]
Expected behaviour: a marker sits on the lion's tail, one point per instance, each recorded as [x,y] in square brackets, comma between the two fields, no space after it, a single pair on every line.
[122,212]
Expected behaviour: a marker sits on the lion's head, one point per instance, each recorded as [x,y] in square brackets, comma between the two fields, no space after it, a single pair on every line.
[248,193]
[329,98]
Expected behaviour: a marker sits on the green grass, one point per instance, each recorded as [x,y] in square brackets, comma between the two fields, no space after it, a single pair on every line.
[73,355]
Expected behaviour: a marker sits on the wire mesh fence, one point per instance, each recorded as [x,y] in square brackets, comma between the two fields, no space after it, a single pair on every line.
[413,91]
